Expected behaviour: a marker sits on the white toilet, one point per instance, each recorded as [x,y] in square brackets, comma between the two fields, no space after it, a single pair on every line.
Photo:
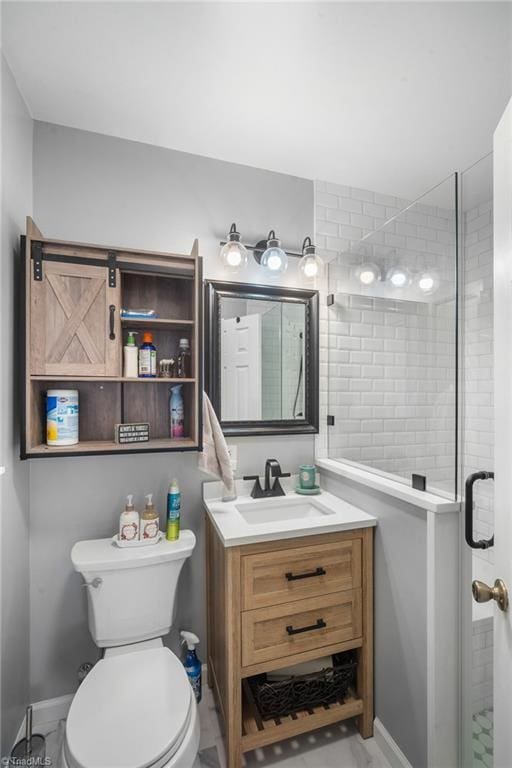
[136,708]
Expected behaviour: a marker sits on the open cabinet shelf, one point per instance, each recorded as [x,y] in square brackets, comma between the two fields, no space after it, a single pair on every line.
[257,732]
[74,336]
[156,323]
[120,379]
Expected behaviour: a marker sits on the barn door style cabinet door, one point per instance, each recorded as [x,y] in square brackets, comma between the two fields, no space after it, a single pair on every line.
[75,320]
[74,333]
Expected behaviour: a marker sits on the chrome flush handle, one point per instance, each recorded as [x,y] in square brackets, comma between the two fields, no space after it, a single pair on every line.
[96,582]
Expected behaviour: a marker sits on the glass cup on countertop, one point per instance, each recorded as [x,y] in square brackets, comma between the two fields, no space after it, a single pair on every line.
[307,476]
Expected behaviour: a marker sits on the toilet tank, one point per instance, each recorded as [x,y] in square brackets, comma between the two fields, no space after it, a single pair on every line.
[130,590]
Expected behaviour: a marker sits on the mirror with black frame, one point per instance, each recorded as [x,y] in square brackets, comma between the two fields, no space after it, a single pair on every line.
[261,358]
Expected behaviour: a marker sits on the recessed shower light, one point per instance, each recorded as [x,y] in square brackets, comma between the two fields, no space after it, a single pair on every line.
[233,254]
[368,274]
[399,277]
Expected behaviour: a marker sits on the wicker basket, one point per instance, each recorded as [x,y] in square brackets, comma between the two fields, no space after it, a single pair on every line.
[283,697]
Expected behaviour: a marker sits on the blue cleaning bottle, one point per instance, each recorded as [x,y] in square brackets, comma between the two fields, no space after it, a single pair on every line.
[192,664]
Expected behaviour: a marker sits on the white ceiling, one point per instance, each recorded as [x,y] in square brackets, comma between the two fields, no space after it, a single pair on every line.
[386,96]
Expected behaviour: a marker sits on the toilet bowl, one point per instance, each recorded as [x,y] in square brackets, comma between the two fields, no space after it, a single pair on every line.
[135,709]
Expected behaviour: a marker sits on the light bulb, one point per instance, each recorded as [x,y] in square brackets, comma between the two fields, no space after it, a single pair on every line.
[367,274]
[233,254]
[399,277]
[311,265]
[310,268]
[273,257]
[427,282]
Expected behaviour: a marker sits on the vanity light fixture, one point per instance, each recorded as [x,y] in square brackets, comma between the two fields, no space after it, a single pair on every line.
[233,254]
[368,274]
[311,265]
[399,277]
[273,257]
[427,282]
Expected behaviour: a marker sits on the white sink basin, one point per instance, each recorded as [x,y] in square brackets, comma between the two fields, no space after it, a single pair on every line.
[264,511]
[245,520]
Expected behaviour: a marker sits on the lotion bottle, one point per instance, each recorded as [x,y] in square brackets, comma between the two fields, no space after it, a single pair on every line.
[129,522]
[149,521]
[131,357]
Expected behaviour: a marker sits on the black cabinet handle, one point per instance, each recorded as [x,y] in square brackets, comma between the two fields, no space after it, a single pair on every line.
[112,311]
[320,624]
[295,576]
[468,509]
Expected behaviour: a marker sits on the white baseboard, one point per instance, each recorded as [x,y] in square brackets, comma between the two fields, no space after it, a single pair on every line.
[388,746]
[46,711]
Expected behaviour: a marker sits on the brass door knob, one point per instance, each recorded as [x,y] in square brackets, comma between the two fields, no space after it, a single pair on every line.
[482,593]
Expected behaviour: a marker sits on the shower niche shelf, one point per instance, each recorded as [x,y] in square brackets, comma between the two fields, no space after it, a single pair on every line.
[73,337]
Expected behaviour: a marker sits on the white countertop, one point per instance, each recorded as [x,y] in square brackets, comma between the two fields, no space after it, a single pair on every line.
[234,530]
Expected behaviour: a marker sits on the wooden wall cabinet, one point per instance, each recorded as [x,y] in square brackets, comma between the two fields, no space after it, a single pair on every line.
[73,334]
[251,603]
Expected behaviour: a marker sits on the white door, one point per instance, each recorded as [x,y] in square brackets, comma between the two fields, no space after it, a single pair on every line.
[503,435]
[241,385]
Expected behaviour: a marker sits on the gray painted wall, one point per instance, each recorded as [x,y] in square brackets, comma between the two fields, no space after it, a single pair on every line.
[400,579]
[14,607]
[94,188]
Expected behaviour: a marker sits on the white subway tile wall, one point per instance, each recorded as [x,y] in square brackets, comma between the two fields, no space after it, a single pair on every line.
[387,365]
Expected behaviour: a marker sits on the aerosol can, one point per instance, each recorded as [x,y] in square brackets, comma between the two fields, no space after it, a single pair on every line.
[192,664]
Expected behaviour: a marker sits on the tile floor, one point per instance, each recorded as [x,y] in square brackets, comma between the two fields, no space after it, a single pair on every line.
[483,739]
[336,746]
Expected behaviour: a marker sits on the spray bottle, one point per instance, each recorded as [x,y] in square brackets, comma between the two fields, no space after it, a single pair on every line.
[173,511]
[192,664]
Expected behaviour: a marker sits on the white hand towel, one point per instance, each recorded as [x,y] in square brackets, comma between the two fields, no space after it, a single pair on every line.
[214,458]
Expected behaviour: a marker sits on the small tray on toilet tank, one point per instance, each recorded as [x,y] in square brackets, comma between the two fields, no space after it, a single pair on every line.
[138,542]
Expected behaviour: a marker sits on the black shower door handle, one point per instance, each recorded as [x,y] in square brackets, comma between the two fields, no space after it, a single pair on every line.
[468,511]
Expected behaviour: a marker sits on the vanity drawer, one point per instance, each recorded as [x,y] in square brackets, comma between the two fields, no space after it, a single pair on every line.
[272,578]
[282,630]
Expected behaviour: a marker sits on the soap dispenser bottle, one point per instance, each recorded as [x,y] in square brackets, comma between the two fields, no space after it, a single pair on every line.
[149,521]
[192,664]
[129,522]
[131,357]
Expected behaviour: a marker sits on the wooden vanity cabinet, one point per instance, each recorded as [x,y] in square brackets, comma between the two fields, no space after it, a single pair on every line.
[73,336]
[253,603]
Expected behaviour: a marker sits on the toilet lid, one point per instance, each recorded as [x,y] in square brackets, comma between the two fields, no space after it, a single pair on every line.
[130,711]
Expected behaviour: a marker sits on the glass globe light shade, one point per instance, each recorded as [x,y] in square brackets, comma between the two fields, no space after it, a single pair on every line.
[311,265]
[273,257]
[399,277]
[368,274]
[233,254]
[427,282]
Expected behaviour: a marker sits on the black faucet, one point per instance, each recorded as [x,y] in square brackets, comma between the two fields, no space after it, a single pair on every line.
[272,469]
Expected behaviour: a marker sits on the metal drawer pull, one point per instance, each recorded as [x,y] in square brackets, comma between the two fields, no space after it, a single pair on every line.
[320,624]
[293,577]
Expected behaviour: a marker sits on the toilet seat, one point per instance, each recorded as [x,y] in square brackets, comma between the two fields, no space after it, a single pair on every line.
[132,711]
